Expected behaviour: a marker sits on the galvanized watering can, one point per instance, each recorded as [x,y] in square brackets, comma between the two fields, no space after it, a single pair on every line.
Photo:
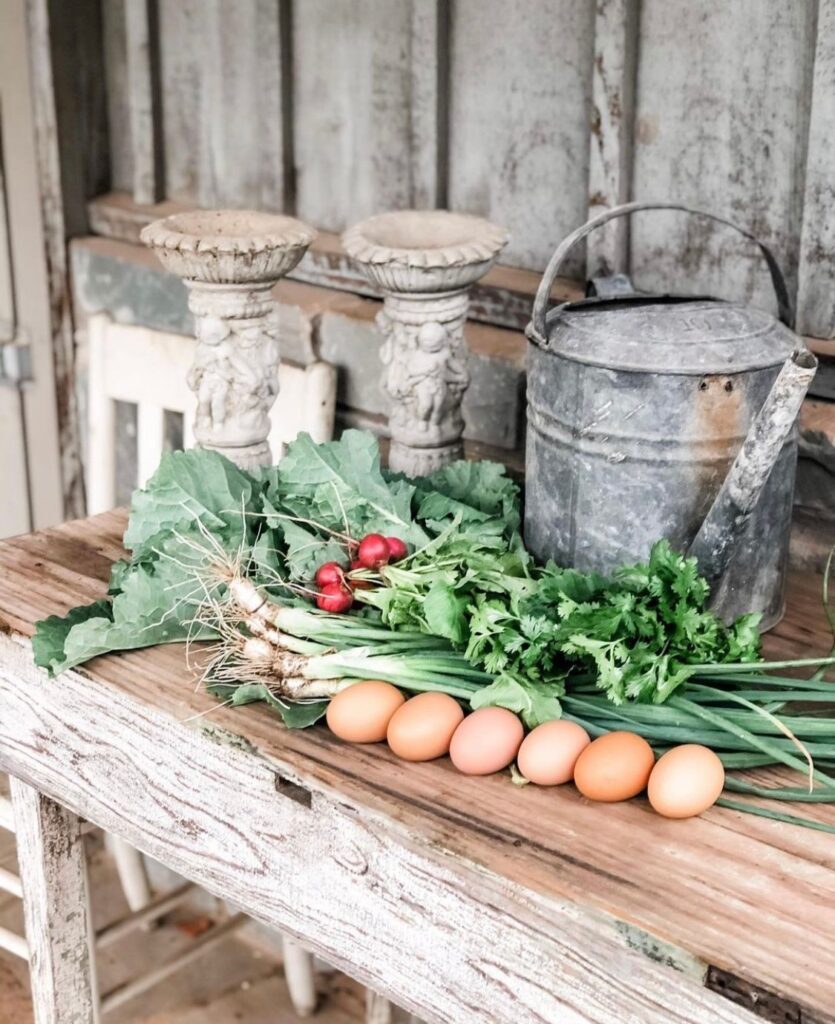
[663,416]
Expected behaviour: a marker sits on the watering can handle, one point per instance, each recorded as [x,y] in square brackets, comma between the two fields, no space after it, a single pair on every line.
[543,293]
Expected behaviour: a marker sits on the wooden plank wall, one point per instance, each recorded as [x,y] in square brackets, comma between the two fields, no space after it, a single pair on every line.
[532,112]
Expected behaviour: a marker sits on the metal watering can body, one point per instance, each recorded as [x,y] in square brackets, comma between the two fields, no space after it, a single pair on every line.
[662,416]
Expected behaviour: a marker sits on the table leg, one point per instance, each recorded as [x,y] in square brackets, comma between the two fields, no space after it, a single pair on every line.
[53,872]
[378,1010]
[300,978]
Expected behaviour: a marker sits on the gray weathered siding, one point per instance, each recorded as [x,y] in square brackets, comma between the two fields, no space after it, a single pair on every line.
[520,98]
[722,119]
[531,112]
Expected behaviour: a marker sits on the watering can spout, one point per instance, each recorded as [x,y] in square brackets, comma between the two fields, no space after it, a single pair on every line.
[713,546]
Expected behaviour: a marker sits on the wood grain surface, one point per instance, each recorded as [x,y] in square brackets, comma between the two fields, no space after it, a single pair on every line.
[418,861]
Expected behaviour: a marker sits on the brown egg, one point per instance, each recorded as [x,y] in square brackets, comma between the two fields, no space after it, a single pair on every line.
[486,741]
[361,713]
[422,728]
[686,781]
[548,753]
[614,767]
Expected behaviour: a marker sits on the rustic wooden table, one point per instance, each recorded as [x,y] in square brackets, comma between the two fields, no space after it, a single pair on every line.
[463,899]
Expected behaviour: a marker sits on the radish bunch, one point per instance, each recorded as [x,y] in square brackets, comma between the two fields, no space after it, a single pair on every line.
[336,587]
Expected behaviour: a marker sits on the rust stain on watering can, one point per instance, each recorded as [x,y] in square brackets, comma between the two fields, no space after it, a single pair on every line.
[638,407]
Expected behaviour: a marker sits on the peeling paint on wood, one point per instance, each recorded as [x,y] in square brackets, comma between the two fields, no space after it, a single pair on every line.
[816,294]
[520,96]
[723,111]
[662,952]
[53,870]
[612,123]
[371,895]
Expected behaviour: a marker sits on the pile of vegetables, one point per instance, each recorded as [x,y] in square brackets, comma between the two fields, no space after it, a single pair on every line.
[324,570]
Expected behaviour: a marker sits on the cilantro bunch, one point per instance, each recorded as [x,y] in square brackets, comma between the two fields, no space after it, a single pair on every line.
[642,632]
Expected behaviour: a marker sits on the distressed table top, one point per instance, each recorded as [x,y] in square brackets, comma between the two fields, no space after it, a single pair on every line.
[454,895]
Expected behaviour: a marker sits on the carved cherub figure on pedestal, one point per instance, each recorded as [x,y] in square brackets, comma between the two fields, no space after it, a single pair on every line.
[435,376]
[259,350]
[210,376]
[234,375]
[423,375]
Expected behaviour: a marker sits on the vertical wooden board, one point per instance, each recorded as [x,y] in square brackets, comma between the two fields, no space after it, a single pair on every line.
[8,326]
[816,294]
[520,96]
[610,154]
[428,100]
[116,84]
[14,505]
[352,84]
[34,223]
[181,31]
[722,113]
[76,48]
[242,163]
[220,67]
[142,107]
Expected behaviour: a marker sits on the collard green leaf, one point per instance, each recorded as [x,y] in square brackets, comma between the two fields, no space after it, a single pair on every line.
[248,693]
[534,703]
[294,714]
[153,603]
[306,550]
[195,485]
[298,714]
[50,637]
[477,491]
[340,486]
[445,612]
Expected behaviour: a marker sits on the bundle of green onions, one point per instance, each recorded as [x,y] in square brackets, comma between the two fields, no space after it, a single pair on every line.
[751,720]
[297,659]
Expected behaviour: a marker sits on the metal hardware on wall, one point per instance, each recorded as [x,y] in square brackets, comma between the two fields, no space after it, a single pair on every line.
[16,360]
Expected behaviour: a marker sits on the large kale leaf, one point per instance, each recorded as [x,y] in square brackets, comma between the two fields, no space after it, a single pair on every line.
[196,506]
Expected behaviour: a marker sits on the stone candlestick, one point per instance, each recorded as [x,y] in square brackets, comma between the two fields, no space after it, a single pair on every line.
[230,260]
[424,262]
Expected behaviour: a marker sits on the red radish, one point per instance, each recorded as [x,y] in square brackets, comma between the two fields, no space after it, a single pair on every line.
[373,551]
[329,572]
[397,549]
[334,597]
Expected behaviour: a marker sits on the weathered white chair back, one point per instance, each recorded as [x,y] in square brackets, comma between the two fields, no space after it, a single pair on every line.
[9,882]
[148,368]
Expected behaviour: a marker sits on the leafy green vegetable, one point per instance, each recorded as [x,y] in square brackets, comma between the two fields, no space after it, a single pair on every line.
[153,602]
[187,487]
[468,579]
[445,611]
[534,704]
[638,634]
[478,493]
[305,549]
[339,486]
[50,637]
[294,714]
[191,496]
